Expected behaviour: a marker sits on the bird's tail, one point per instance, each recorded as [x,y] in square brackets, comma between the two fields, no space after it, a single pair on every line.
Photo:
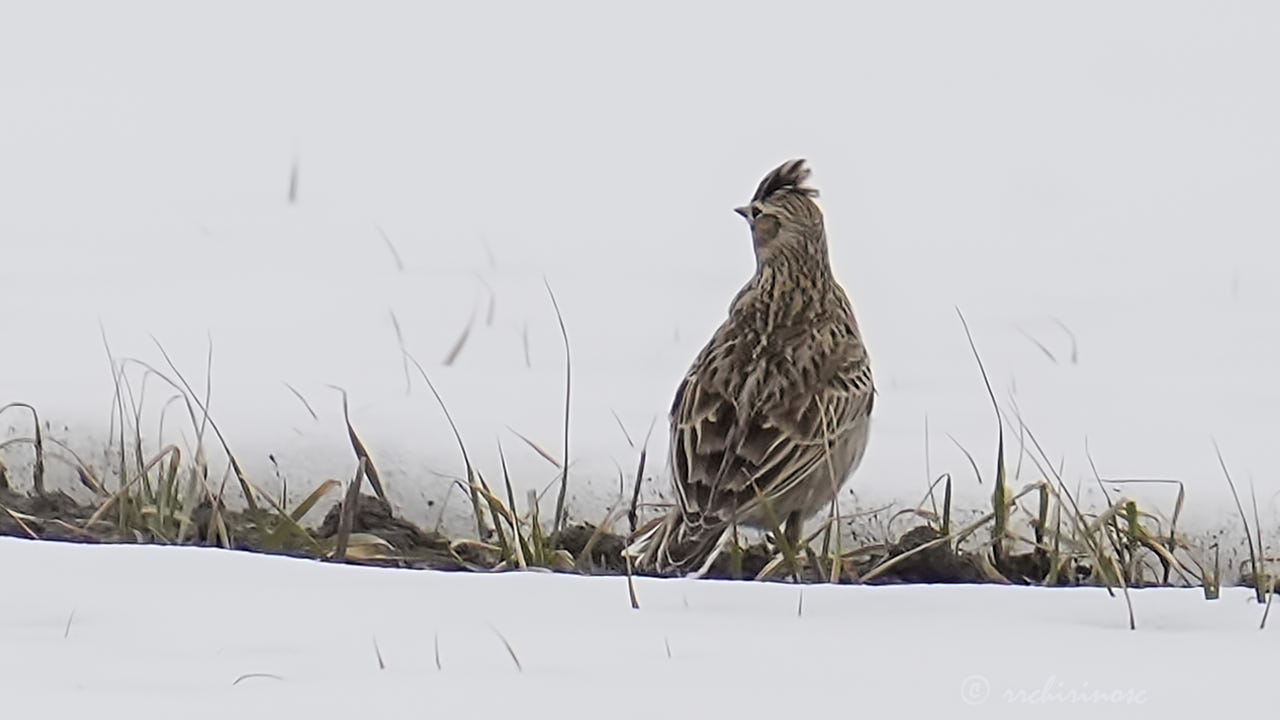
[679,544]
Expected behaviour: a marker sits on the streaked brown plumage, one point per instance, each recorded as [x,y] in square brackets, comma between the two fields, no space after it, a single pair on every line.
[772,417]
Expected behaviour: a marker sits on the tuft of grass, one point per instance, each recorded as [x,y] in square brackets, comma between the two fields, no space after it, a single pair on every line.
[1039,532]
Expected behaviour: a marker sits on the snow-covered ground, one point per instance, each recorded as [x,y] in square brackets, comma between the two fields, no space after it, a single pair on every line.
[146,632]
[1093,185]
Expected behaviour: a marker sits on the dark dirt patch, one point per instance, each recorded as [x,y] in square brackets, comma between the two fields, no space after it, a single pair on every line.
[375,516]
[598,552]
[938,564]
[415,547]
[52,516]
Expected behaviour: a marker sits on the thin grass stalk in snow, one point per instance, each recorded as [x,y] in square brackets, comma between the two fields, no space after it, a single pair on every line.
[558,521]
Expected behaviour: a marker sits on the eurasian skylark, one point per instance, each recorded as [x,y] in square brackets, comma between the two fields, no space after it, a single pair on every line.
[772,417]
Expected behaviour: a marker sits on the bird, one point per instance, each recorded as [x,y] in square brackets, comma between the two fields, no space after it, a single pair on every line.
[773,415]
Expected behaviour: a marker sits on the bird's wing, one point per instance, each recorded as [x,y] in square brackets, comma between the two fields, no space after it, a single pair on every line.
[743,433]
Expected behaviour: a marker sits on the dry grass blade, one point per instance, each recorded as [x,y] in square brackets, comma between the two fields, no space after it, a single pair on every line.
[568,383]
[303,400]
[1271,595]
[377,653]
[510,650]
[310,501]
[367,546]
[288,523]
[404,360]
[537,540]
[631,583]
[967,456]
[622,427]
[946,507]
[833,576]
[497,511]
[241,478]
[395,254]
[1079,524]
[84,473]
[1168,543]
[635,491]
[37,470]
[136,406]
[536,448]
[521,545]
[124,488]
[632,519]
[1075,355]
[1114,540]
[1047,353]
[347,519]
[1254,567]
[17,519]
[1213,586]
[1260,577]
[466,459]
[458,344]
[117,400]
[253,676]
[491,309]
[999,502]
[361,452]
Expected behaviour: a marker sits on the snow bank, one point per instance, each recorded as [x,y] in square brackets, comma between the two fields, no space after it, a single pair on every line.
[139,631]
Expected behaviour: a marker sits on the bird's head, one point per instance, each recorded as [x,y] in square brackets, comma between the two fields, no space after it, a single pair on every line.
[783,216]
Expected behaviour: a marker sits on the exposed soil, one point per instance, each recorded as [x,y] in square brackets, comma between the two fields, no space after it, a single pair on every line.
[57,516]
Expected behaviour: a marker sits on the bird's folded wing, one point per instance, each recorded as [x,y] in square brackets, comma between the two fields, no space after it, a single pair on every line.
[727,454]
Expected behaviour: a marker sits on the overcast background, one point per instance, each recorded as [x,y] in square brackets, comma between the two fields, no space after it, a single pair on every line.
[1094,185]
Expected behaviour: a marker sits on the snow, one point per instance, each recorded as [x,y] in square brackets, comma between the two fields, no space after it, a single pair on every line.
[1108,167]
[1093,186]
[141,631]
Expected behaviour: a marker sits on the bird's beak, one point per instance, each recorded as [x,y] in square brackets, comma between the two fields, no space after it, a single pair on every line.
[744,211]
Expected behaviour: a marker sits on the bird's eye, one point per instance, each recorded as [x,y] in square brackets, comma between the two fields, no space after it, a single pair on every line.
[755,212]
